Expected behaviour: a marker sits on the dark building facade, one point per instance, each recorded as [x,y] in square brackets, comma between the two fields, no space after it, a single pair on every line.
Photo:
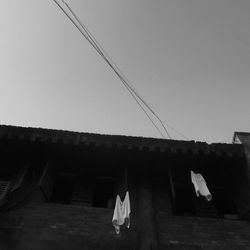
[58,188]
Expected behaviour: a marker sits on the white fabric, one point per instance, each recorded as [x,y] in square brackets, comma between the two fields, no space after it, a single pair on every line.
[121,213]
[200,185]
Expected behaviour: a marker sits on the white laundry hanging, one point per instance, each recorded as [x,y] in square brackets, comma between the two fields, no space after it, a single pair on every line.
[121,213]
[200,185]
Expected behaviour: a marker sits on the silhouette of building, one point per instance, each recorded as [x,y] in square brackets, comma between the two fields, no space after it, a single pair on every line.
[58,188]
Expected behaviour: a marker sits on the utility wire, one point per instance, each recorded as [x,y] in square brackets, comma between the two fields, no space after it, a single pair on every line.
[92,42]
[116,68]
[101,49]
[177,132]
[91,39]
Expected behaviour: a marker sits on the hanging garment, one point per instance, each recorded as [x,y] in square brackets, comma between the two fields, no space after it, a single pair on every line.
[121,213]
[200,185]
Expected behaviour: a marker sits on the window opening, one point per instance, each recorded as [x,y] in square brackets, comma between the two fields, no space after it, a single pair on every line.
[67,188]
[184,200]
[63,189]
[225,205]
[104,193]
[83,193]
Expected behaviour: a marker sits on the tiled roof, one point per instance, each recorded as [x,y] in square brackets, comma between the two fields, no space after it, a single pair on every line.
[129,142]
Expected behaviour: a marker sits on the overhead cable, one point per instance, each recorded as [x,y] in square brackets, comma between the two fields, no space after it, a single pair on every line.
[96,45]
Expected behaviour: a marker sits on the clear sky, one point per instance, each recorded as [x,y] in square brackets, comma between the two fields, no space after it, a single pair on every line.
[189,59]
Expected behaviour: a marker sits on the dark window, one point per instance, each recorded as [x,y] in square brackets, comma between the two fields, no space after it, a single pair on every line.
[63,189]
[187,203]
[224,204]
[204,208]
[104,193]
[75,190]
[82,190]
[184,200]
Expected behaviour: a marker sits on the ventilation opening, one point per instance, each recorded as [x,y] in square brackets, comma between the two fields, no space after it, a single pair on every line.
[104,193]
[63,189]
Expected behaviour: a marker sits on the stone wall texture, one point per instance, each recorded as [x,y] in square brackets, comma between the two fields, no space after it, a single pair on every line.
[53,226]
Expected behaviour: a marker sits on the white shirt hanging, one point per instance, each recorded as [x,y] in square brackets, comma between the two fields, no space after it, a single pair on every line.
[200,185]
[121,213]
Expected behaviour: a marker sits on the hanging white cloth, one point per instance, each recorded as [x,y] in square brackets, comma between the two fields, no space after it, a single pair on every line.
[200,185]
[121,213]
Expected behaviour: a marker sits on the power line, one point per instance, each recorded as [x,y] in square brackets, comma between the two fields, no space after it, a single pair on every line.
[116,68]
[91,39]
[177,132]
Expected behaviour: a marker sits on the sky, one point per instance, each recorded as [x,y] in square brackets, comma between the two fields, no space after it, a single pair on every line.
[189,59]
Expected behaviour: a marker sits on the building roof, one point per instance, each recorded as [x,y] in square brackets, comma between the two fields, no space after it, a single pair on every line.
[130,142]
